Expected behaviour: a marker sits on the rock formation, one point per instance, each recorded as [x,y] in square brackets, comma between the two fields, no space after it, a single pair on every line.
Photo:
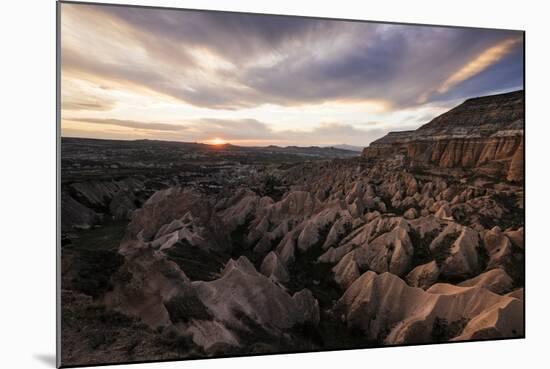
[443,311]
[485,133]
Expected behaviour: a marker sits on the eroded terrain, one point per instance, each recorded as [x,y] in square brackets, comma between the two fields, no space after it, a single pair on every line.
[171,253]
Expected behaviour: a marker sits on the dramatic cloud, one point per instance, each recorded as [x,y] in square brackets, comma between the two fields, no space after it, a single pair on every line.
[126,62]
[132,124]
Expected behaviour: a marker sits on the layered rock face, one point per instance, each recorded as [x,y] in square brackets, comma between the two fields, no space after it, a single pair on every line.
[485,133]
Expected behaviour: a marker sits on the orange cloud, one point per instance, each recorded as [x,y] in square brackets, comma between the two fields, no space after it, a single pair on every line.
[479,63]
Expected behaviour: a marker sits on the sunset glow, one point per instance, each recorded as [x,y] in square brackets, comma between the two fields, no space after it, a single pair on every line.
[216,141]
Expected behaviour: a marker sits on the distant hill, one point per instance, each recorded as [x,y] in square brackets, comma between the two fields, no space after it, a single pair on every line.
[161,146]
[347,147]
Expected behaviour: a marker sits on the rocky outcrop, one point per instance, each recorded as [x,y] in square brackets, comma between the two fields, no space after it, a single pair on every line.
[411,213]
[463,256]
[100,194]
[241,290]
[516,236]
[173,215]
[495,280]
[423,276]
[74,215]
[314,228]
[90,203]
[498,247]
[122,205]
[144,283]
[442,312]
[484,133]
[274,269]
[346,271]
[215,314]
[391,252]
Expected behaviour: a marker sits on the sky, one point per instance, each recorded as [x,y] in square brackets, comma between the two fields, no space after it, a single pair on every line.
[258,80]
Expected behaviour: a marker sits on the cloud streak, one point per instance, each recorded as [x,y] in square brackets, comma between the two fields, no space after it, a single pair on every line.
[149,126]
[479,63]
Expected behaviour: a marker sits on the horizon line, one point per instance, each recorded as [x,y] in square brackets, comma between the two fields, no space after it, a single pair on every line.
[322,146]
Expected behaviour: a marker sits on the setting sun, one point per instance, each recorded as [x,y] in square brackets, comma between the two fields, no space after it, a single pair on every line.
[216,141]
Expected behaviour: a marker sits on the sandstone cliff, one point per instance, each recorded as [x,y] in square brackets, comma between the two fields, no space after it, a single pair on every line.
[485,133]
